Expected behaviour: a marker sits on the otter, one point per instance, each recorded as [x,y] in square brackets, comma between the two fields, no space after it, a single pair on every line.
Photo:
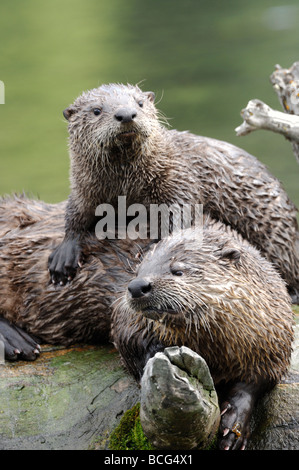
[219,297]
[119,146]
[29,230]
[206,289]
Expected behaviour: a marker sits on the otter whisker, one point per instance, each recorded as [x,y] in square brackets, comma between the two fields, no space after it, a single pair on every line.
[120,300]
[131,268]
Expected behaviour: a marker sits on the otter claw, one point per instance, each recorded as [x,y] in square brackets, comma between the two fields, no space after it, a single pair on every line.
[228,407]
[64,261]
[236,430]
[17,343]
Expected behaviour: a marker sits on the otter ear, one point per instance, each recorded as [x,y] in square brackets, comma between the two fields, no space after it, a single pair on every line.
[151,95]
[231,254]
[68,112]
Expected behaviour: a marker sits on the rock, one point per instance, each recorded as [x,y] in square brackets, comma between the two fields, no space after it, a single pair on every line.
[179,405]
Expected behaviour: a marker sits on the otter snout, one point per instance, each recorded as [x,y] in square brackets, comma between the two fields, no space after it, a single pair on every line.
[139,288]
[125,115]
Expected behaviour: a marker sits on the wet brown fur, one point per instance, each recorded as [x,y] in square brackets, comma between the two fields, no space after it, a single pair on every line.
[232,307]
[79,312]
[167,166]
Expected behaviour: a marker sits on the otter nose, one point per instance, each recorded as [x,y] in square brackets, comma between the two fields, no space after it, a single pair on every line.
[139,288]
[125,114]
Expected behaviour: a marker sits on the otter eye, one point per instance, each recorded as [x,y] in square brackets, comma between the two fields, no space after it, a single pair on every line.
[177,268]
[140,103]
[96,111]
[177,272]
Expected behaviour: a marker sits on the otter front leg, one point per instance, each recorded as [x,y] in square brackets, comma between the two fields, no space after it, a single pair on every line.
[65,260]
[67,257]
[17,343]
[236,411]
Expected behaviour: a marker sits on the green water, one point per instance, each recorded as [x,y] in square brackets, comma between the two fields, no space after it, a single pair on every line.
[206,58]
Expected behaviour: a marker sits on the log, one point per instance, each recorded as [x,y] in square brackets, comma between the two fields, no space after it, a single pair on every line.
[68,399]
[75,399]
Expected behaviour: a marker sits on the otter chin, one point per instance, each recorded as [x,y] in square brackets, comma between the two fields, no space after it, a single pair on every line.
[127,135]
[159,314]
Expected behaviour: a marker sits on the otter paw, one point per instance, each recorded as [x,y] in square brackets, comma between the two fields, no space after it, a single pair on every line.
[235,423]
[17,343]
[64,262]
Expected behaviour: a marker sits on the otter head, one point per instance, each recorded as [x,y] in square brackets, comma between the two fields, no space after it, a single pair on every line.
[182,277]
[113,118]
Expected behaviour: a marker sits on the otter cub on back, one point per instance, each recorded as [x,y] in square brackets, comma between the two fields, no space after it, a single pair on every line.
[118,147]
[220,298]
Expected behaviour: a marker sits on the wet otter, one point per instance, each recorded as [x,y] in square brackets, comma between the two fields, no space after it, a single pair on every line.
[81,311]
[118,146]
[221,299]
[215,294]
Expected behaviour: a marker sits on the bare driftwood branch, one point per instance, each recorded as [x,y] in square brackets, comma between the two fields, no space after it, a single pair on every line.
[286,84]
[257,115]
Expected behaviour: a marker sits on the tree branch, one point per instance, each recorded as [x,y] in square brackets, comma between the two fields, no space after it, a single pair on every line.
[258,115]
